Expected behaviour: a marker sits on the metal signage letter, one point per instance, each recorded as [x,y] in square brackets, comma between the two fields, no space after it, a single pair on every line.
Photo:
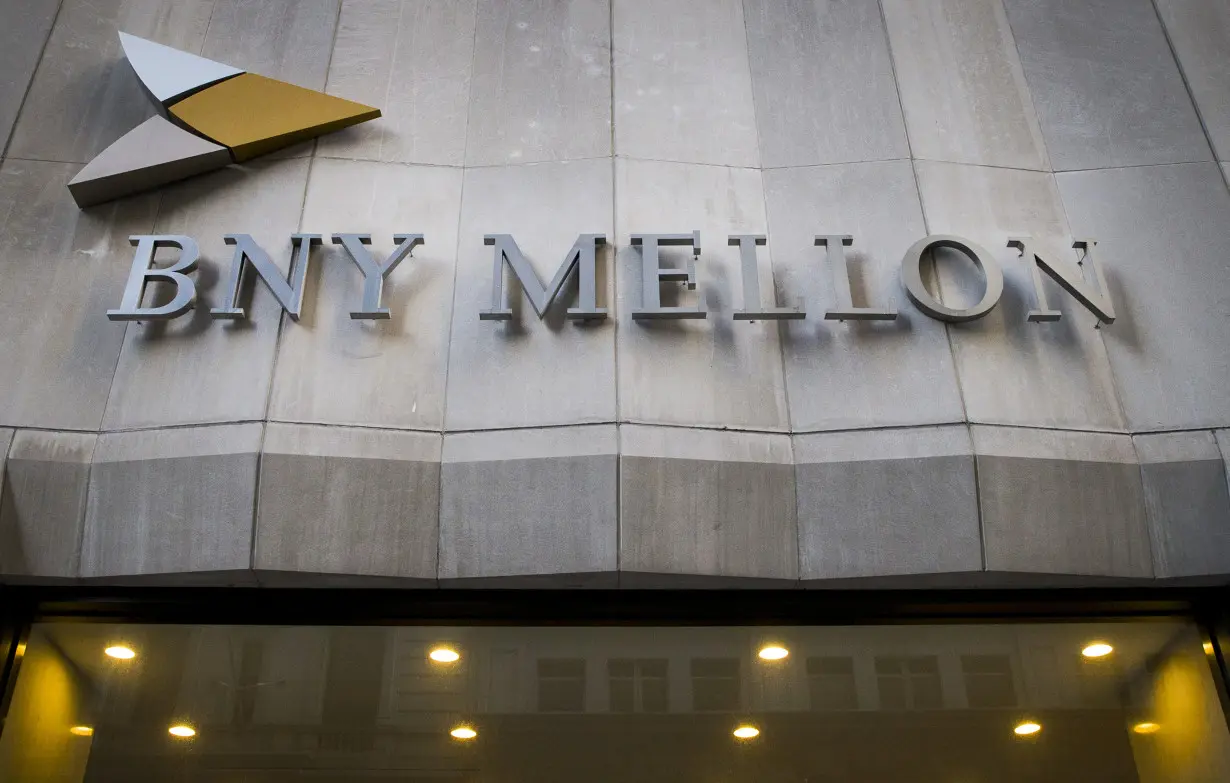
[653,274]
[288,292]
[582,257]
[911,276]
[373,271]
[846,311]
[143,271]
[1070,277]
[751,284]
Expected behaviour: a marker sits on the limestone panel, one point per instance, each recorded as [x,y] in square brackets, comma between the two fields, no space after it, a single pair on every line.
[195,369]
[84,95]
[60,270]
[1106,87]
[531,371]
[26,27]
[1012,371]
[175,503]
[541,86]
[855,373]
[1199,31]
[529,507]
[887,503]
[1164,239]
[1187,503]
[683,87]
[823,82]
[334,369]
[1061,503]
[962,87]
[700,503]
[711,372]
[288,40]
[411,59]
[43,503]
[337,500]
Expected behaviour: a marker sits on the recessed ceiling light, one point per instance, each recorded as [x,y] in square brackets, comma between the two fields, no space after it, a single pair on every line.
[121,652]
[1148,727]
[444,655]
[464,733]
[1027,728]
[773,652]
[747,732]
[1097,650]
[182,730]
[82,731]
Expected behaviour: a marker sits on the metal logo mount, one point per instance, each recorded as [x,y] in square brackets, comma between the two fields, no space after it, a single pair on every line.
[209,115]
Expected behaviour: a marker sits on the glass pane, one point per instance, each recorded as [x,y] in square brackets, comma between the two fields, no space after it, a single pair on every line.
[210,704]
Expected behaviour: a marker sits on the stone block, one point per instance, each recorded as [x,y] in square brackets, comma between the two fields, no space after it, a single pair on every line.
[42,504]
[288,40]
[26,27]
[529,508]
[1199,31]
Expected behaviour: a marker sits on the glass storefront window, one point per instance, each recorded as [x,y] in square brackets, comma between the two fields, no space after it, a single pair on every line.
[1018,702]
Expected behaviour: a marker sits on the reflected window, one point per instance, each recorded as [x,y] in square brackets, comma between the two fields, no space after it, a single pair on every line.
[831,683]
[988,681]
[715,684]
[561,685]
[909,683]
[638,685]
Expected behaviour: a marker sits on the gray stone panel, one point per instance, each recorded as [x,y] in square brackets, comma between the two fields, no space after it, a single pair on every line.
[1061,503]
[60,269]
[360,502]
[714,372]
[1164,237]
[887,503]
[1223,445]
[530,503]
[541,87]
[289,40]
[961,83]
[42,505]
[706,503]
[1187,503]
[1012,371]
[1105,84]
[855,374]
[172,502]
[530,372]
[683,87]
[1199,31]
[194,369]
[823,82]
[333,369]
[84,95]
[410,58]
[27,24]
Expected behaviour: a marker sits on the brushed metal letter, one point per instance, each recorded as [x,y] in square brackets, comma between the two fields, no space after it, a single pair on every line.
[373,271]
[288,292]
[911,276]
[846,311]
[751,284]
[582,257]
[143,271]
[1070,277]
[653,274]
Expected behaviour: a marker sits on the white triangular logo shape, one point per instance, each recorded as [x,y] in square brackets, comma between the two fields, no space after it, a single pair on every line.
[169,74]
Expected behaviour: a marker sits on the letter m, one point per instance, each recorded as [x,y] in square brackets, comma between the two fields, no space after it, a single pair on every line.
[582,258]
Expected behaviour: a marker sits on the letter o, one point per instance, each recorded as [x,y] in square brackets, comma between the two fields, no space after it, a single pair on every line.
[911,276]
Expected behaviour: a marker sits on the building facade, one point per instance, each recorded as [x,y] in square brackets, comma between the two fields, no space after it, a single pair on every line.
[711,294]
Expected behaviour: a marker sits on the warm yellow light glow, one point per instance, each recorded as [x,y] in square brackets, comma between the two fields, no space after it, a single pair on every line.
[1027,728]
[1097,650]
[1148,727]
[444,655]
[464,733]
[82,731]
[773,652]
[1208,648]
[182,730]
[747,732]
[120,651]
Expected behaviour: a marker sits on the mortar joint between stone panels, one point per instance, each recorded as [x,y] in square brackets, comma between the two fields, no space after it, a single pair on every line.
[1191,96]
[25,94]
